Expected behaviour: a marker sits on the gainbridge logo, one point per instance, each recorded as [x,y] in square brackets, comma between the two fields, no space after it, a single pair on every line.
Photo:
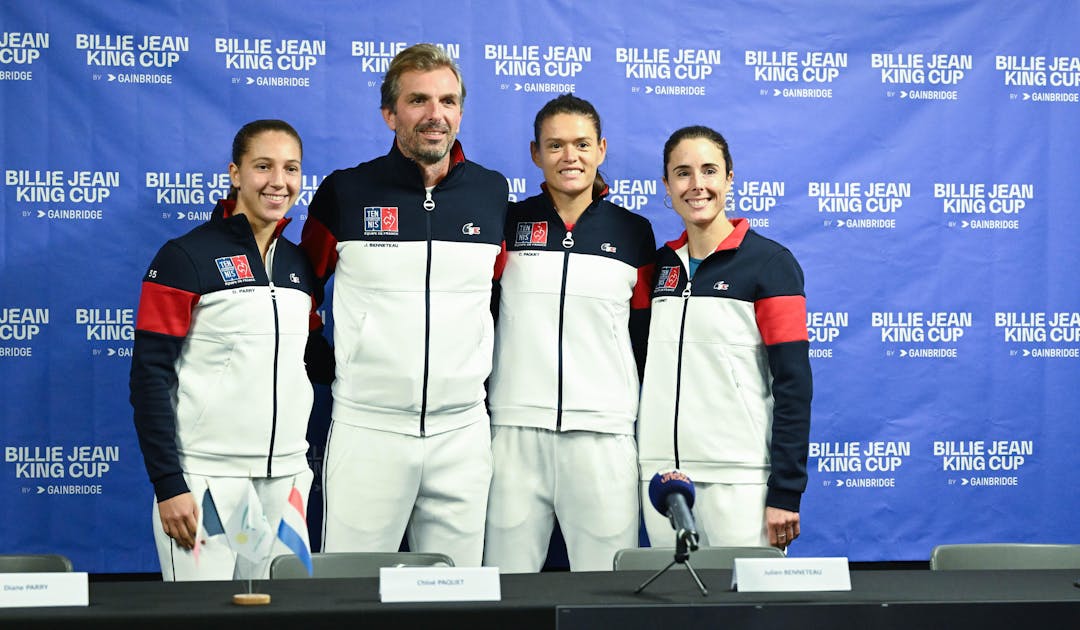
[535,68]
[669,71]
[270,62]
[43,194]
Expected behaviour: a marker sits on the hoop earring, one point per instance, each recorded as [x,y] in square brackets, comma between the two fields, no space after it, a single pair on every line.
[667,202]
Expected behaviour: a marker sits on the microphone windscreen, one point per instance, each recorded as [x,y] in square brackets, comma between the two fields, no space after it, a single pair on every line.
[665,483]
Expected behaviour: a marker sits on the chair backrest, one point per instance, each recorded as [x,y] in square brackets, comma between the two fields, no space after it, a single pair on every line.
[653,558]
[34,563]
[1004,556]
[358,564]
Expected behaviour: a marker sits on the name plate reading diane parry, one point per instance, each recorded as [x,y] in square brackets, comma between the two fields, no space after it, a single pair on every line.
[439,584]
[790,574]
[43,589]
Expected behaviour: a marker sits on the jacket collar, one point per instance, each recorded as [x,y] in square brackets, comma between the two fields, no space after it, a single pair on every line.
[732,241]
[590,209]
[224,210]
[407,167]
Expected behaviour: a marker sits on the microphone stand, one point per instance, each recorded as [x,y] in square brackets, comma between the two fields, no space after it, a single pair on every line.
[684,544]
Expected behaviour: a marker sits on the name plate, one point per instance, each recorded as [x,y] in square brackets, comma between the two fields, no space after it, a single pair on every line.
[790,574]
[43,589]
[439,584]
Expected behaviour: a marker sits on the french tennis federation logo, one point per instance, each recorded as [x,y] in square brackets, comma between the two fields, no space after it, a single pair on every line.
[235,269]
[380,221]
[532,234]
[668,279]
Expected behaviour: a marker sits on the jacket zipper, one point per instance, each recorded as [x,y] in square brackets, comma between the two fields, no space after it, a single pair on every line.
[678,370]
[568,244]
[429,207]
[277,344]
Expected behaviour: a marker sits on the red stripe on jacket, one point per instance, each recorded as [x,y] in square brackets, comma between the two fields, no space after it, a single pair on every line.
[321,248]
[781,319]
[500,262]
[165,310]
[642,296]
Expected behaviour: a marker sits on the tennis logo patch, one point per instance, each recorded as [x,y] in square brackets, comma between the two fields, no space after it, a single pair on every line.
[531,234]
[668,279]
[234,269]
[380,221]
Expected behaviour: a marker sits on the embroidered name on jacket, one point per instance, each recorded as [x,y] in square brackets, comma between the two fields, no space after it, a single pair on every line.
[667,279]
[380,221]
[234,269]
[532,234]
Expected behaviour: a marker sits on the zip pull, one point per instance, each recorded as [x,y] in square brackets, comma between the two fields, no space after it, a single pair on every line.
[686,291]
[429,203]
[568,242]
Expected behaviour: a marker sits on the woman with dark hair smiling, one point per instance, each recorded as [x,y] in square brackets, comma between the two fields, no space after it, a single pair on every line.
[573,317]
[218,376]
[727,388]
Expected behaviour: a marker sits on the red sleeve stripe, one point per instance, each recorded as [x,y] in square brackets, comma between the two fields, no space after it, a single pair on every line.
[320,246]
[642,296]
[500,262]
[165,310]
[781,319]
[314,321]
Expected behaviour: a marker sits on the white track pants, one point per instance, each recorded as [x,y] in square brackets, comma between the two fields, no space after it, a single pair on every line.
[587,480]
[380,485]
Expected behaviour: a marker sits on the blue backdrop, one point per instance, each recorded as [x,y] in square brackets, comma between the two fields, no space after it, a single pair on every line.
[916,156]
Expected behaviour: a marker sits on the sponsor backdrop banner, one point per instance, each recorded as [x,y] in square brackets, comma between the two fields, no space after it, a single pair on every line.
[916,156]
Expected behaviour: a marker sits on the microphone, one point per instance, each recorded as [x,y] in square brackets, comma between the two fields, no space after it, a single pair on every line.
[672,494]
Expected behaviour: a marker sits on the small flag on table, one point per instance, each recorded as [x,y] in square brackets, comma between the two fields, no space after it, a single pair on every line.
[293,531]
[211,519]
[248,532]
[210,523]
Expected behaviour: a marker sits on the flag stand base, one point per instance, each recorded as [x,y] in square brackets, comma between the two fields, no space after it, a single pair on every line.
[251,599]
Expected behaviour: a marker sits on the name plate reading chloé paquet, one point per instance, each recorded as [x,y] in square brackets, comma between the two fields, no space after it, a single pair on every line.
[439,584]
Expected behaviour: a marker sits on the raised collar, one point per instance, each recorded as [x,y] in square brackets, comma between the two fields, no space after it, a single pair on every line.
[731,241]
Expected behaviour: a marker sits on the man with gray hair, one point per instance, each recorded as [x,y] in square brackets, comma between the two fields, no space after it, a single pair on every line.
[413,239]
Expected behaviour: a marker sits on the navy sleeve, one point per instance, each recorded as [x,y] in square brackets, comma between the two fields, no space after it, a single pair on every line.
[153,379]
[641,300]
[319,358]
[781,316]
[792,391]
[169,294]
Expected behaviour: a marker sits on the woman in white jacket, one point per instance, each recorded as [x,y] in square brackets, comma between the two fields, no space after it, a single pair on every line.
[573,317]
[219,384]
[726,395]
